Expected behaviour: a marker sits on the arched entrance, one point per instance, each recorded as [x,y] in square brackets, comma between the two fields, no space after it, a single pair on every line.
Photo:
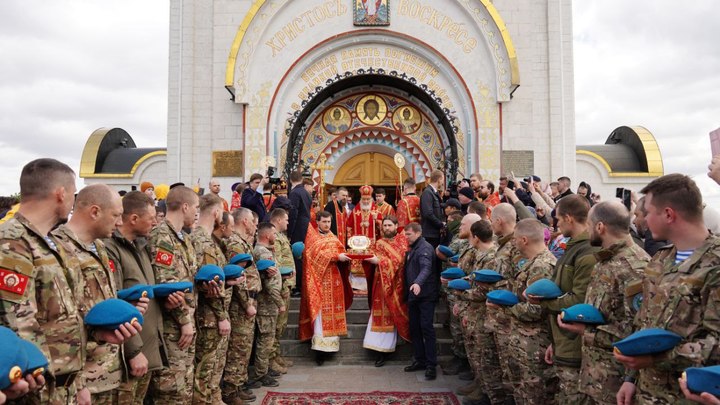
[374,107]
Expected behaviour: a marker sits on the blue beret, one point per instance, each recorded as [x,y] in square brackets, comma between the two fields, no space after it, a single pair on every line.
[703,379]
[583,313]
[241,258]
[286,270]
[37,363]
[544,288]
[452,273]
[12,362]
[233,271]
[459,284]
[647,341]
[502,297]
[487,276]
[165,289]
[297,249]
[209,272]
[135,292]
[446,251]
[264,264]
[455,258]
[112,313]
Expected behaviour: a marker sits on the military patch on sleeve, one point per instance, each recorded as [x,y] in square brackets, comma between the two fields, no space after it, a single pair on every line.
[637,301]
[164,257]
[111,263]
[13,282]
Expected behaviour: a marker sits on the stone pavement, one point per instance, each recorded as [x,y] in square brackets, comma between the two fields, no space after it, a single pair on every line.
[306,376]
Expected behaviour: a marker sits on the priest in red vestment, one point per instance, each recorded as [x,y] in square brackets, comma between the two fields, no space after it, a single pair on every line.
[365,220]
[336,208]
[385,275]
[408,208]
[383,207]
[326,293]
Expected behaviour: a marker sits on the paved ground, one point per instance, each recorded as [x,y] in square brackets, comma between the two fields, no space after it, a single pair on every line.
[308,377]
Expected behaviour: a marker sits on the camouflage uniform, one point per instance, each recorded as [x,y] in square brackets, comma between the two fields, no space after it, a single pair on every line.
[269,302]
[102,371]
[38,301]
[507,258]
[242,326]
[616,290]
[522,352]
[683,298]
[283,258]
[467,264]
[482,351]
[458,344]
[572,275]
[173,259]
[210,347]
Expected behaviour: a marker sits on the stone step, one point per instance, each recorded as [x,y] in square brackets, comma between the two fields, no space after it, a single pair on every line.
[360,317]
[357,331]
[359,303]
[352,350]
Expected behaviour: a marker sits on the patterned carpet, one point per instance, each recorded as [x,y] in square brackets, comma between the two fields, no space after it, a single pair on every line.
[361,398]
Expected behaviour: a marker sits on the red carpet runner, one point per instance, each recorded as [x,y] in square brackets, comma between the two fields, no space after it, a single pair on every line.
[361,398]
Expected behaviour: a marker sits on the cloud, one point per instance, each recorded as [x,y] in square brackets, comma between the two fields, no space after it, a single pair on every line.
[70,67]
[652,64]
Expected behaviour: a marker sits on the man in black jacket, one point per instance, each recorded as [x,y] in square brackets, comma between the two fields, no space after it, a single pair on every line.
[431,212]
[299,220]
[251,198]
[421,281]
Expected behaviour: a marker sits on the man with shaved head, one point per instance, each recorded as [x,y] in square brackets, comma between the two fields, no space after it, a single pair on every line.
[173,259]
[521,349]
[38,298]
[214,187]
[572,275]
[98,211]
[616,290]
[243,309]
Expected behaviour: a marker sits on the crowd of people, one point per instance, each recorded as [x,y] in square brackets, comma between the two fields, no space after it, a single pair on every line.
[647,262]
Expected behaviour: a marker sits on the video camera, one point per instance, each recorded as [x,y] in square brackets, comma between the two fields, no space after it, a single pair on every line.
[271,170]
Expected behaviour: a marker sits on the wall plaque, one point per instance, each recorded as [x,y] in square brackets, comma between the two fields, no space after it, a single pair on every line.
[520,162]
[227,163]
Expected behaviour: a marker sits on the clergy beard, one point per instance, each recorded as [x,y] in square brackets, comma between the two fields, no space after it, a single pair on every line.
[389,234]
[365,206]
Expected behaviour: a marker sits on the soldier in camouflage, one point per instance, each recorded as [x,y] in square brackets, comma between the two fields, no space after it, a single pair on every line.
[459,245]
[616,290]
[481,348]
[284,259]
[242,313]
[173,259]
[211,316]
[98,210]
[506,263]
[522,351]
[572,275]
[681,293]
[37,299]
[270,305]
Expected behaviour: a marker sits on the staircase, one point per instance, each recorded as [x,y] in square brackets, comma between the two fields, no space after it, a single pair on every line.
[351,346]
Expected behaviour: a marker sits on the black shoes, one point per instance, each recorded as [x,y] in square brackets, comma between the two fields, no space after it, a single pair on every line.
[380,360]
[466,376]
[415,366]
[319,358]
[430,373]
[252,385]
[295,293]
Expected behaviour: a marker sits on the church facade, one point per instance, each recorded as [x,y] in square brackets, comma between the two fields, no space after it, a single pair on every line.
[452,85]
[340,87]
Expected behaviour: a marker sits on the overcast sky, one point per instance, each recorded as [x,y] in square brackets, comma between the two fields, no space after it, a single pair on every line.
[69,67]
